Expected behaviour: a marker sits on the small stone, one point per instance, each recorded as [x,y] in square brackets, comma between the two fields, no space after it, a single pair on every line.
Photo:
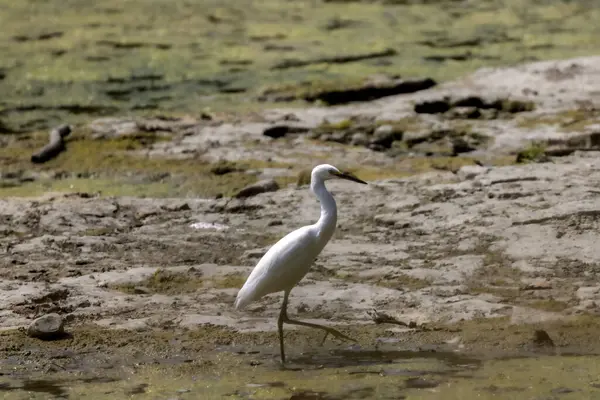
[385,135]
[177,206]
[279,131]
[265,186]
[326,137]
[302,308]
[432,107]
[223,168]
[137,389]
[587,305]
[112,127]
[412,138]
[470,172]
[539,284]
[140,290]
[84,304]
[389,219]
[359,139]
[47,327]
[308,395]
[562,390]
[420,383]
[384,130]
[460,145]
[454,341]
[339,137]
[276,131]
[464,113]
[541,338]
[376,147]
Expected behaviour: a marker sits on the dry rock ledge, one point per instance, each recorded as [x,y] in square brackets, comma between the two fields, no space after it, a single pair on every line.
[519,241]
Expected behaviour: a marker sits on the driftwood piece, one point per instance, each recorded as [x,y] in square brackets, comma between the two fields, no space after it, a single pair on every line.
[55,145]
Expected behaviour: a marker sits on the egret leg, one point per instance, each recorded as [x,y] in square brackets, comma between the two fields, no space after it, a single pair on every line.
[282,316]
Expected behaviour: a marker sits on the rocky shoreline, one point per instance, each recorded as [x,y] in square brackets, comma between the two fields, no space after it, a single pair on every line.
[455,234]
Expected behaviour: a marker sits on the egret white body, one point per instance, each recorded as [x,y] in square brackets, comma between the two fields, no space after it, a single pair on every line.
[286,263]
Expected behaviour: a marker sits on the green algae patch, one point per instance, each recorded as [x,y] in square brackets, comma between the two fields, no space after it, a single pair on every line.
[549,305]
[335,126]
[570,121]
[165,282]
[397,281]
[105,187]
[402,167]
[168,282]
[535,152]
[229,281]
[66,63]
[120,167]
[408,166]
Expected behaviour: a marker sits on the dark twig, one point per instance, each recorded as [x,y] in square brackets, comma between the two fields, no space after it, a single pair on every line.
[380,317]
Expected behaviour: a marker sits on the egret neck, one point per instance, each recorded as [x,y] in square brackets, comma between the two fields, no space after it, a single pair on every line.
[328,219]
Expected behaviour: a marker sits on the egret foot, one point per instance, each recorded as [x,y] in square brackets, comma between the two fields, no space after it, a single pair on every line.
[327,329]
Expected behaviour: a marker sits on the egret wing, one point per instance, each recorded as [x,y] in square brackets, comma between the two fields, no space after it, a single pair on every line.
[284,265]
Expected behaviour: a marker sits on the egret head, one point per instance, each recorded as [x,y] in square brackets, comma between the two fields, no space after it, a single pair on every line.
[325,172]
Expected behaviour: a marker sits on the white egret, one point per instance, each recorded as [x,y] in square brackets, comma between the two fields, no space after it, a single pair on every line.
[286,263]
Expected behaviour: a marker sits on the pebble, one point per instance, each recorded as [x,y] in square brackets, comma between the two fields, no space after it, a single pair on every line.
[47,327]
[265,186]
[385,135]
[359,139]
[541,338]
[538,284]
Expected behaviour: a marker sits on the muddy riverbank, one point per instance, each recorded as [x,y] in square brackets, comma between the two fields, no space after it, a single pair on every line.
[478,230]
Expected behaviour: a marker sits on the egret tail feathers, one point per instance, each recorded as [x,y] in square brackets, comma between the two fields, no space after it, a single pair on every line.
[242,300]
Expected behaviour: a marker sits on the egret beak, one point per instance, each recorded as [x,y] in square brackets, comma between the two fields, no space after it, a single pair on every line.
[350,177]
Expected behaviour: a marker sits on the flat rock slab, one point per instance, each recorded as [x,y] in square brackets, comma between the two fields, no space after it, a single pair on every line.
[438,247]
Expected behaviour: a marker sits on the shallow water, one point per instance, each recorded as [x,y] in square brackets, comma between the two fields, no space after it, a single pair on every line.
[340,374]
